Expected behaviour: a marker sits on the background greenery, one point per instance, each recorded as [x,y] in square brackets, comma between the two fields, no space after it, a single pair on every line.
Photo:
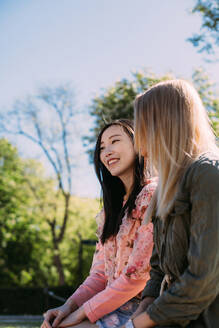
[26,249]
[42,225]
[30,202]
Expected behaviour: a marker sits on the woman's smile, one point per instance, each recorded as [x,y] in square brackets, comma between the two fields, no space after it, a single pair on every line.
[112,161]
[117,152]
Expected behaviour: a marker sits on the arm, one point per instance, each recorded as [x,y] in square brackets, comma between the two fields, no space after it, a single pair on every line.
[54,316]
[129,283]
[152,289]
[150,293]
[198,286]
[95,282]
[118,293]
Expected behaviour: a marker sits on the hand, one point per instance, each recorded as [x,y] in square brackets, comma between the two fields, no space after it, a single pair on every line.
[143,306]
[53,317]
[73,319]
[143,321]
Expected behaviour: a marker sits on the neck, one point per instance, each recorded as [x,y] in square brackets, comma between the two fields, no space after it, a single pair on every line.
[128,184]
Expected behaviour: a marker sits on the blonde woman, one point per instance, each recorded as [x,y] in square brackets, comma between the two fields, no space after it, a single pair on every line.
[172,131]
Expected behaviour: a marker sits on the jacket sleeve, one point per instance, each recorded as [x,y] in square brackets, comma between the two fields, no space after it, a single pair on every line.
[130,283]
[135,273]
[112,297]
[198,286]
[95,282]
[152,289]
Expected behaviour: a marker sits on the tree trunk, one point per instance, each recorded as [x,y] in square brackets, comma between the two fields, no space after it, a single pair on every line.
[80,260]
[58,264]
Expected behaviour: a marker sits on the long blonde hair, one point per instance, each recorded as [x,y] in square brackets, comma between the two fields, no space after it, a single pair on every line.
[172,129]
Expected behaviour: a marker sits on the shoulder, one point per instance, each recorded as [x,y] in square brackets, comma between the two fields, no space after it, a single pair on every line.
[147,191]
[207,165]
[149,187]
[203,174]
[210,160]
[100,218]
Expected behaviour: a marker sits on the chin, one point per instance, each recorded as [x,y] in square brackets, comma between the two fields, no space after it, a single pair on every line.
[114,173]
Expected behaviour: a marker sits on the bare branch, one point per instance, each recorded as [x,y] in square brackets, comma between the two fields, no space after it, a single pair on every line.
[46,120]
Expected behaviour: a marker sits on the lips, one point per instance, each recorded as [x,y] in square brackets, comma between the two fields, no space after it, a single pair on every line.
[112,161]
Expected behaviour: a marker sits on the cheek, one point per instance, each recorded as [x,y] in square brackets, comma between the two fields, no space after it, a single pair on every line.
[101,158]
[130,158]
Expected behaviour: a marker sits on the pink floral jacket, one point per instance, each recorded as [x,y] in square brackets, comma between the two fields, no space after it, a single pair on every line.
[121,266]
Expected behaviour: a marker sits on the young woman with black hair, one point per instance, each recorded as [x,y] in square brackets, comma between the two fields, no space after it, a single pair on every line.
[110,294]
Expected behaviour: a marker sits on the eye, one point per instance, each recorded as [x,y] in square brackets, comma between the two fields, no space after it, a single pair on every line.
[115,140]
[101,149]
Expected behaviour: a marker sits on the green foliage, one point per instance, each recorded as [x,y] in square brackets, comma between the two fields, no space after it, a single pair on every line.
[28,201]
[22,233]
[208,95]
[117,101]
[17,231]
[81,226]
[208,38]
[47,120]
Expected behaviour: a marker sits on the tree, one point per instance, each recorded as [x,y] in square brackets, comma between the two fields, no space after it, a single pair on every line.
[28,199]
[117,101]
[19,227]
[47,121]
[208,38]
[210,100]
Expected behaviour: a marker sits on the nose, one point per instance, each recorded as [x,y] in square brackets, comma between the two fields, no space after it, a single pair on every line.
[107,152]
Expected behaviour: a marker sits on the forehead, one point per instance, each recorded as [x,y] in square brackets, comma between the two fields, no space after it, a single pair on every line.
[111,131]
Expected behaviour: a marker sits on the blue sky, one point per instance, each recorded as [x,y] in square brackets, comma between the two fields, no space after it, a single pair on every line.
[92,44]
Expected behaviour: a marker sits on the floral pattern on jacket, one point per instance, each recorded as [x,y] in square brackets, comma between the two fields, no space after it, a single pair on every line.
[130,250]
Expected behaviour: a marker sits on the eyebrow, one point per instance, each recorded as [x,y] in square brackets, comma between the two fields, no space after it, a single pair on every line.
[114,135]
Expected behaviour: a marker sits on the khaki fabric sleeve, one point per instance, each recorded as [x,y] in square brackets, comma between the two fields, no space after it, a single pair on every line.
[198,286]
[152,288]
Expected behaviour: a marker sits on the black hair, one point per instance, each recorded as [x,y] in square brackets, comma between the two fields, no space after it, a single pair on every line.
[113,189]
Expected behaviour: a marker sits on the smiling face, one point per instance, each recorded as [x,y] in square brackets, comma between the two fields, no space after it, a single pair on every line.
[117,152]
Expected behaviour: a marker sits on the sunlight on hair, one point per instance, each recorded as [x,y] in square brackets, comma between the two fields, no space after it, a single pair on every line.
[172,128]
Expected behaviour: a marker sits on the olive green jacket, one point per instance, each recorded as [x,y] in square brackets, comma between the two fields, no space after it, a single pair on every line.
[186,247]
